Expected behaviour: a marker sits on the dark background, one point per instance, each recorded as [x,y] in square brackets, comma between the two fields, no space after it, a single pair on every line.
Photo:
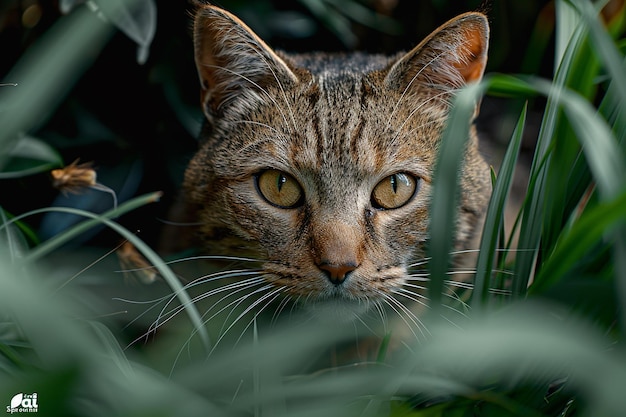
[138,122]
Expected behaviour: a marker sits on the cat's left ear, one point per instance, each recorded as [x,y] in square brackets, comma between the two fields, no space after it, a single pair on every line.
[453,55]
[232,60]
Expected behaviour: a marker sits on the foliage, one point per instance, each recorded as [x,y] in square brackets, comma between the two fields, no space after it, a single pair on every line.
[552,347]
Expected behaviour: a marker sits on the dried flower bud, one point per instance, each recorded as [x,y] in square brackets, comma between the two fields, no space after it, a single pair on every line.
[135,265]
[74,177]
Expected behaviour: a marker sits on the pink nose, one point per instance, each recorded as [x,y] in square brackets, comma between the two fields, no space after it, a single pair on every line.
[337,274]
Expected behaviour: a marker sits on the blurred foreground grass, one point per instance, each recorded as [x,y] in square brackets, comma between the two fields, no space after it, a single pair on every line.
[553,347]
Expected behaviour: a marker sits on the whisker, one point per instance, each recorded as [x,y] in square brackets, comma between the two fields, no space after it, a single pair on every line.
[182,224]
[383,316]
[165,316]
[470,286]
[274,295]
[411,296]
[280,308]
[214,258]
[145,312]
[421,287]
[458,284]
[425,260]
[393,303]
[204,280]
[235,273]
[236,303]
[360,319]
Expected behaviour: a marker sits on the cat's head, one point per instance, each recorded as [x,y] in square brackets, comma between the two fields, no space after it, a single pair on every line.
[321,165]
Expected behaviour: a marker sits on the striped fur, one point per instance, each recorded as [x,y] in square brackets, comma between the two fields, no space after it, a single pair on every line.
[338,124]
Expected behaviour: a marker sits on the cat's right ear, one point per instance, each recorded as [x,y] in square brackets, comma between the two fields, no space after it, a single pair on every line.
[232,60]
[453,55]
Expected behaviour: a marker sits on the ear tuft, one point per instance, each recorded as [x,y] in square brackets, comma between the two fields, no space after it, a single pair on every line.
[231,58]
[453,55]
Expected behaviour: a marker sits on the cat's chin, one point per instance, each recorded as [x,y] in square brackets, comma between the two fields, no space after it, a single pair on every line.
[337,309]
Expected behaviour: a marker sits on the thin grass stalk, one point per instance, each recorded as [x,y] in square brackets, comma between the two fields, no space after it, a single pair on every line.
[592,226]
[605,48]
[493,230]
[445,199]
[94,219]
[612,107]
[530,235]
[54,243]
[9,238]
[615,65]
[604,156]
[567,20]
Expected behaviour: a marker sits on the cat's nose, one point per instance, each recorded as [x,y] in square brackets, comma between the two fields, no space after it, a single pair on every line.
[337,273]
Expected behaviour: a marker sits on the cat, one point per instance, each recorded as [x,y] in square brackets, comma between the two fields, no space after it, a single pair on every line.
[320,165]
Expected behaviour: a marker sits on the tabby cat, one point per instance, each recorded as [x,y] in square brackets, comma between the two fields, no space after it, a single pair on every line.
[320,165]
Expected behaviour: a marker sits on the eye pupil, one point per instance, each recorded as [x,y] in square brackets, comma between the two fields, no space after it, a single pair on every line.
[280,181]
[394,183]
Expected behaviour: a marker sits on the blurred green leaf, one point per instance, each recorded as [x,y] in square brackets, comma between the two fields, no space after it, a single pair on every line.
[137,19]
[46,73]
[66,6]
[30,156]
[53,243]
[94,219]
[368,17]
[11,236]
[334,21]
[524,360]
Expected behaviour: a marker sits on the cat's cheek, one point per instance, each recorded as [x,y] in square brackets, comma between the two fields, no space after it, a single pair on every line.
[257,220]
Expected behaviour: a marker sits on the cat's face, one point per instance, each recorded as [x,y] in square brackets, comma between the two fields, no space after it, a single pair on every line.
[320,166]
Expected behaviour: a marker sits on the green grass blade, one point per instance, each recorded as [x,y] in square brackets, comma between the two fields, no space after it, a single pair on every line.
[94,219]
[445,198]
[567,21]
[605,158]
[533,222]
[593,225]
[30,156]
[495,214]
[605,48]
[55,242]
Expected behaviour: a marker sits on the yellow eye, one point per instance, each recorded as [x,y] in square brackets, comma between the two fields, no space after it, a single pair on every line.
[394,191]
[279,188]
